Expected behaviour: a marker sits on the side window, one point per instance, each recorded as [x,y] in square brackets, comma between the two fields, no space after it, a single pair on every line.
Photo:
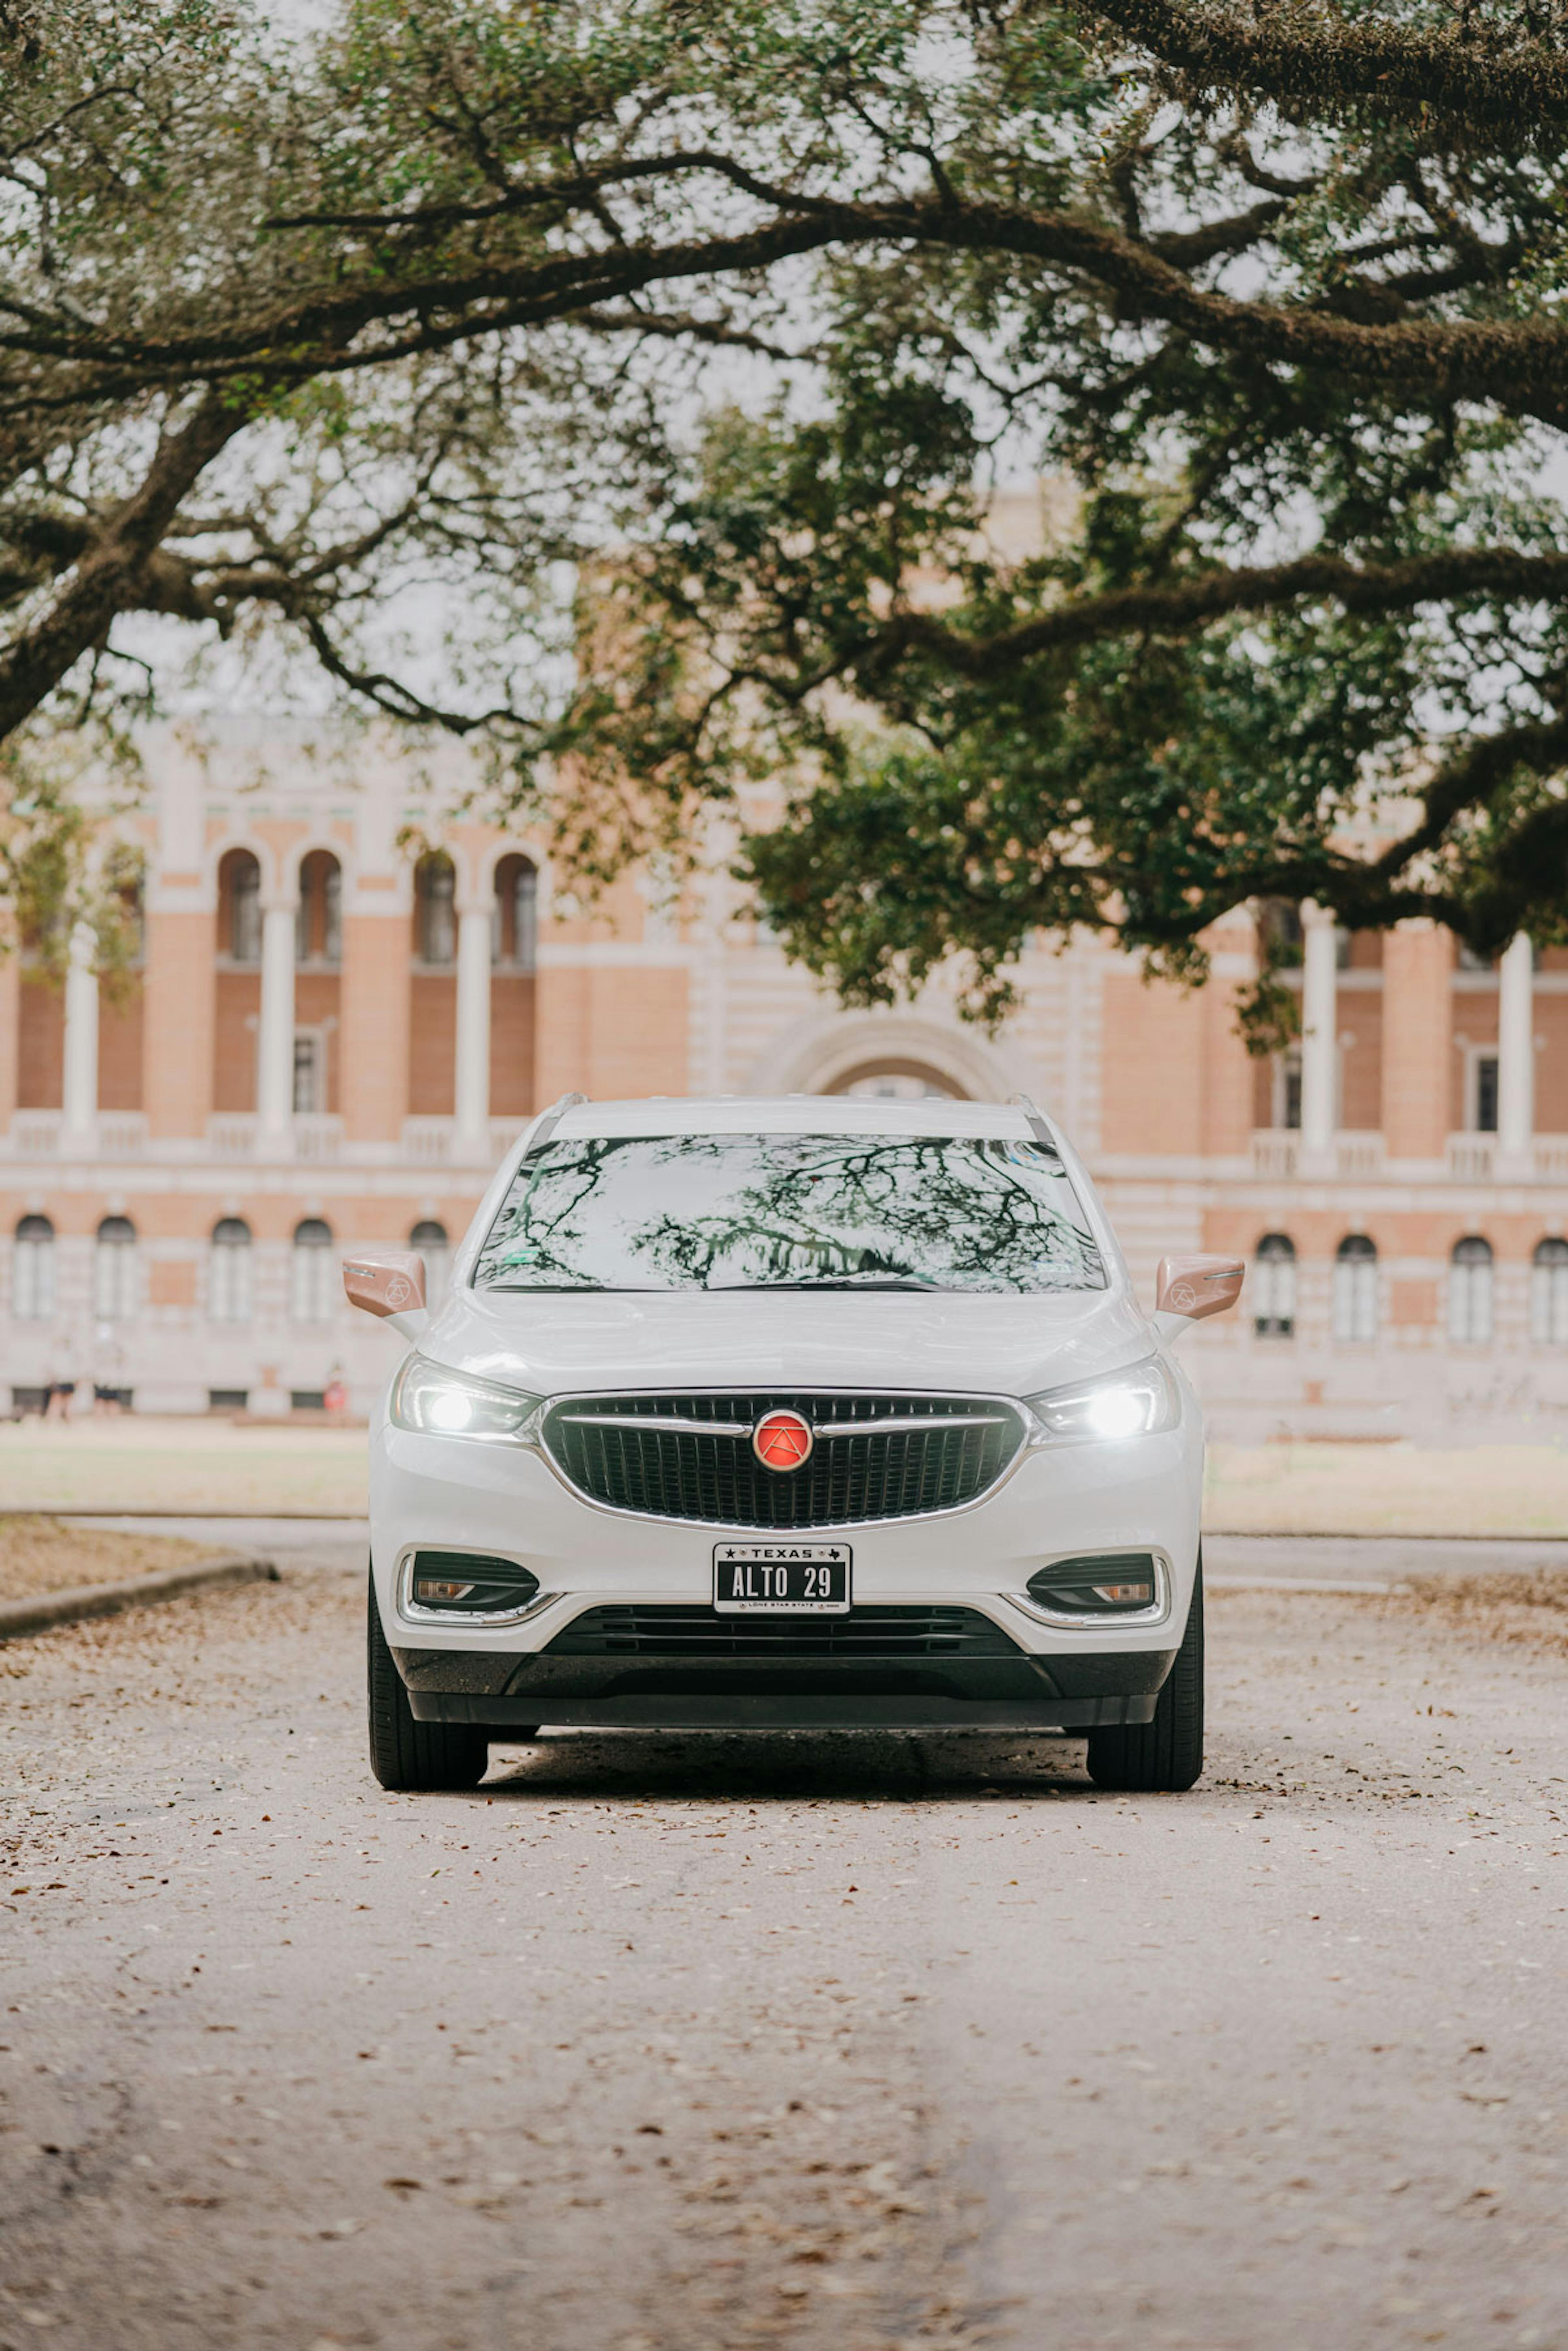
[1549,1292]
[1355,1289]
[1274,1287]
[310,1288]
[1470,1292]
[228,1272]
[114,1271]
[33,1271]
[429,1240]
[435,912]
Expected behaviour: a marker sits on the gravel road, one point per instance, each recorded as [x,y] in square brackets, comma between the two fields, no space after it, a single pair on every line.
[822,2041]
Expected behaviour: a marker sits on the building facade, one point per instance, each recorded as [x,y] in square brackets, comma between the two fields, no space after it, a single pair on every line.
[348,995]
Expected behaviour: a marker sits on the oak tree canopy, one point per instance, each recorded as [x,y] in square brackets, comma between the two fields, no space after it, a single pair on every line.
[737,315]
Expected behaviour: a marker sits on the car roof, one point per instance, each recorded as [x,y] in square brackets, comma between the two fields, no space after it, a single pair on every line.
[790,1115]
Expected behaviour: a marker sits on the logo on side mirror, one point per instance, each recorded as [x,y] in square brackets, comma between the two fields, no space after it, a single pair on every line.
[392,1281]
[1198,1284]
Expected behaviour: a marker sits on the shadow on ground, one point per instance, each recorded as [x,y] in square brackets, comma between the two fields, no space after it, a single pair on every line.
[868,1767]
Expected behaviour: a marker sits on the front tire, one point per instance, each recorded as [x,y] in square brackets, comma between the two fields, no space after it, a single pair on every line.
[406,1755]
[1163,1756]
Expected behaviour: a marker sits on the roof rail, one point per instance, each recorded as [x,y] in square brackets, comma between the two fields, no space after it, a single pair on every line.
[1038,1127]
[551,1120]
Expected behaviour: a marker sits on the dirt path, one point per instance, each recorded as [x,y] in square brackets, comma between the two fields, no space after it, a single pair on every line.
[827,2040]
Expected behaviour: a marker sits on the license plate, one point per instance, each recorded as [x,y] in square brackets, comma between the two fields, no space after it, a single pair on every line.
[782,1579]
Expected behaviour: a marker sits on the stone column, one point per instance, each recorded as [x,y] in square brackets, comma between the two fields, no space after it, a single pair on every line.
[10,1028]
[78,1094]
[274,1044]
[1516,1058]
[1418,1040]
[373,1012]
[471,1092]
[1319,1072]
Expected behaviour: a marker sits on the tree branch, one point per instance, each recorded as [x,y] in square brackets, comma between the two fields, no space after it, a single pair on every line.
[1189,603]
[110,574]
[1309,56]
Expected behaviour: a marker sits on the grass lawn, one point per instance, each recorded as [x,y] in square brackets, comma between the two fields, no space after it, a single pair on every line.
[141,1463]
[1387,1489]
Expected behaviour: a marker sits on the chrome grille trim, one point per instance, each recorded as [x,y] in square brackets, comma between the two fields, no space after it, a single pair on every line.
[637,1454]
[647,1420]
[824,1429]
[901,1427]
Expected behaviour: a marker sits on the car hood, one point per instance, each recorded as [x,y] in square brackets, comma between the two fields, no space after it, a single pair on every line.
[717,1342]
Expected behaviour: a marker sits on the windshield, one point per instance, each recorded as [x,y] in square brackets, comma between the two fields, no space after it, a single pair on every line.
[791,1212]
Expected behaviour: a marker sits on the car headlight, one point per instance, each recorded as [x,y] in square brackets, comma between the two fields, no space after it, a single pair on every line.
[1137,1402]
[440,1403]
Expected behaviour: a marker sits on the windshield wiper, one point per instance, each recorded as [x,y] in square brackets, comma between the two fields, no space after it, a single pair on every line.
[837,1282]
[573,1288]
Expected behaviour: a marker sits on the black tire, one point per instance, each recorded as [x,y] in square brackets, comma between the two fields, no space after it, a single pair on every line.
[1165,1755]
[405,1754]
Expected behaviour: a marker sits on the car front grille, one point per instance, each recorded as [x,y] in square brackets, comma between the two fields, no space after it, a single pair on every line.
[873,1457]
[866,1633]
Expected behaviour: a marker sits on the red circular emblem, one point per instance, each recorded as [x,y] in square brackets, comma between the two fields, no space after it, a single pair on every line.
[783,1440]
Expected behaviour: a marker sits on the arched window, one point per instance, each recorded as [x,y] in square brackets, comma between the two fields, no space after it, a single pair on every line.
[895,1081]
[1355,1288]
[429,1240]
[1274,1287]
[1469,1292]
[228,1276]
[114,1271]
[318,920]
[310,1290]
[1548,1293]
[514,933]
[239,908]
[435,910]
[33,1271]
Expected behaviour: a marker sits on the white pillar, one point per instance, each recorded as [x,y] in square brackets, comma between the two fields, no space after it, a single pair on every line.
[1516,1056]
[79,1080]
[1319,1075]
[471,1091]
[275,1042]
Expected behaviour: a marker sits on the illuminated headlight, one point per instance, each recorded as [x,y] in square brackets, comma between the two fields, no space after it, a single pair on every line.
[440,1403]
[1135,1403]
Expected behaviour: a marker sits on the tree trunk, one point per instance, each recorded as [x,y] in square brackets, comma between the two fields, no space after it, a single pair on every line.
[109,578]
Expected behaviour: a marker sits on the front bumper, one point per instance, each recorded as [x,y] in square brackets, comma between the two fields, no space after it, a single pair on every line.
[1074,1693]
[1056,1502]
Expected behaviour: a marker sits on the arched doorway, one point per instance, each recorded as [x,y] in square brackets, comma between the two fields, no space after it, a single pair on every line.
[236,1011]
[831,1053]
[317,981]
[433,1007]
[897,1081]
[513,954]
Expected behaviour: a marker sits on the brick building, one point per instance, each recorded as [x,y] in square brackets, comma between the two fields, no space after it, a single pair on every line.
[346,1002]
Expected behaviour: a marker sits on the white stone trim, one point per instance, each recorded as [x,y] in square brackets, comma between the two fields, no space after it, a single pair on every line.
[813,1055]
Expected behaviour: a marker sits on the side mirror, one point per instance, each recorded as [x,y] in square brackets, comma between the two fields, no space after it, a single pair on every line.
[390,1284]
[1192,1287]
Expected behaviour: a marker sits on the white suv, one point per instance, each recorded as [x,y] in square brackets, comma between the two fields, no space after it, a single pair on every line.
[786,1414]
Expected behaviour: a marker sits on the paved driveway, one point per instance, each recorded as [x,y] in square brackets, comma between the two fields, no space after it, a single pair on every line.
[820,2041]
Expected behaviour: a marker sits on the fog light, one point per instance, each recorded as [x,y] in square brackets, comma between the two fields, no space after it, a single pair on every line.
[439,1591]
[467,1584]
[1097,1587]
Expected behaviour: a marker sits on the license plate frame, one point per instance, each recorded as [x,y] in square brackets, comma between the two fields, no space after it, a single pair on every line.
[816,1578]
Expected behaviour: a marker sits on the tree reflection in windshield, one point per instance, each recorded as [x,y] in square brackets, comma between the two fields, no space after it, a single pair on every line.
[765,1211]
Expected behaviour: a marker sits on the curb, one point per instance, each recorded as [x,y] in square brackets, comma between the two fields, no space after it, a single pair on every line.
[49,1608]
